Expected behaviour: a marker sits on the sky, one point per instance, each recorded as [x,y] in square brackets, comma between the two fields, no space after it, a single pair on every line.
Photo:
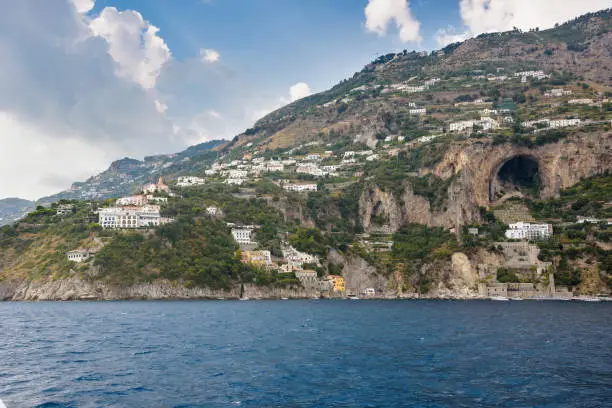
[84,82]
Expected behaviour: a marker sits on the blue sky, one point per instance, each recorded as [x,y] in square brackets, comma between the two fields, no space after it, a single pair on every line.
[86,82]
[316,41]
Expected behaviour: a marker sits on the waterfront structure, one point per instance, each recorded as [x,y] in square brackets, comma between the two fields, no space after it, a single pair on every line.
[529,231]
[307,278]
[339,283]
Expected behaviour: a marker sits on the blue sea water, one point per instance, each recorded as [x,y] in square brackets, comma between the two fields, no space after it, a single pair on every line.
[306,353]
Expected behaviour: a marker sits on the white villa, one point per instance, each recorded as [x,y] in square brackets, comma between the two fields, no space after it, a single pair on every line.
[275,166]
[528,231]
[300,187]
[417,111]
[188,181]
[129,217]
[78,255]
[135,200]
[243,235]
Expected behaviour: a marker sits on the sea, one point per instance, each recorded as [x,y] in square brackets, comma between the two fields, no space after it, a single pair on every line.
[306,353]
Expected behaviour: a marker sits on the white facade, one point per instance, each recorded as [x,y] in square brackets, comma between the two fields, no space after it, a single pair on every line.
[275,166]
[528,231]
[583,101]
[242,235]
[212,210]
[461,126]
[313,157]
[300,187]
[309,168]
[189,181]
[129,217]
[559,123]
[237,174]
[78,255]
[425,139]
[418,111]
[295,257]
[234,181]
[135,200]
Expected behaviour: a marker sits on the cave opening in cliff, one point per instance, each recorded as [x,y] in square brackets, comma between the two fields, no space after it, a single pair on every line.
[518,176]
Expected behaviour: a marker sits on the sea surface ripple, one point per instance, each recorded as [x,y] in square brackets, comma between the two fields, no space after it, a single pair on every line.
[306,353]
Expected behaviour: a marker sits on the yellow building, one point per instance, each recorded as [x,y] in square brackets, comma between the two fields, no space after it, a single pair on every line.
[338,281]
[257,258]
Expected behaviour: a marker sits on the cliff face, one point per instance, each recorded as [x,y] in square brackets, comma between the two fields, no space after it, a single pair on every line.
[78,289]
[475,167]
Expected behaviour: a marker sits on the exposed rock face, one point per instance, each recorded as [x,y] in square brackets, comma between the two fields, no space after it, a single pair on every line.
[475,167]
[78,289]
[375,202]
[360,275]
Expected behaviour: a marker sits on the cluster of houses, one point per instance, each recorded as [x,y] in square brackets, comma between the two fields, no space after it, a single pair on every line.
[136,211]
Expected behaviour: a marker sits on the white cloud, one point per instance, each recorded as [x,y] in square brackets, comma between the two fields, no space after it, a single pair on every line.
[160,106]
[299,91]
[133,43]
[482,16]
[380,13]
[45,162]
[209,55]
[449,35]
[83,6]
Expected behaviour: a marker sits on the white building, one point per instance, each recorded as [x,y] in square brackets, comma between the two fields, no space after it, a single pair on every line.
[314,157]
[557,92]
[348,154]
[129,217]
[300,187]
[528,231]
[188,181]
[418,111]
[64,209]
[288,162]
[211,172]
[237,174]
[559,123]
[583,101]
[309,168]
[295,257]
[461,126]
[372,157]
[135,200]
[155,199]
[78,255]
[235,181]
[243,235]
[275,166]
[213,211]
[425,139]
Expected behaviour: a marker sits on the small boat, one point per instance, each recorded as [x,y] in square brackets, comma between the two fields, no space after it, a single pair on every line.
[283,298]
[244,298]
[500,298]
[352,297]
[590,299]
[516,298]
